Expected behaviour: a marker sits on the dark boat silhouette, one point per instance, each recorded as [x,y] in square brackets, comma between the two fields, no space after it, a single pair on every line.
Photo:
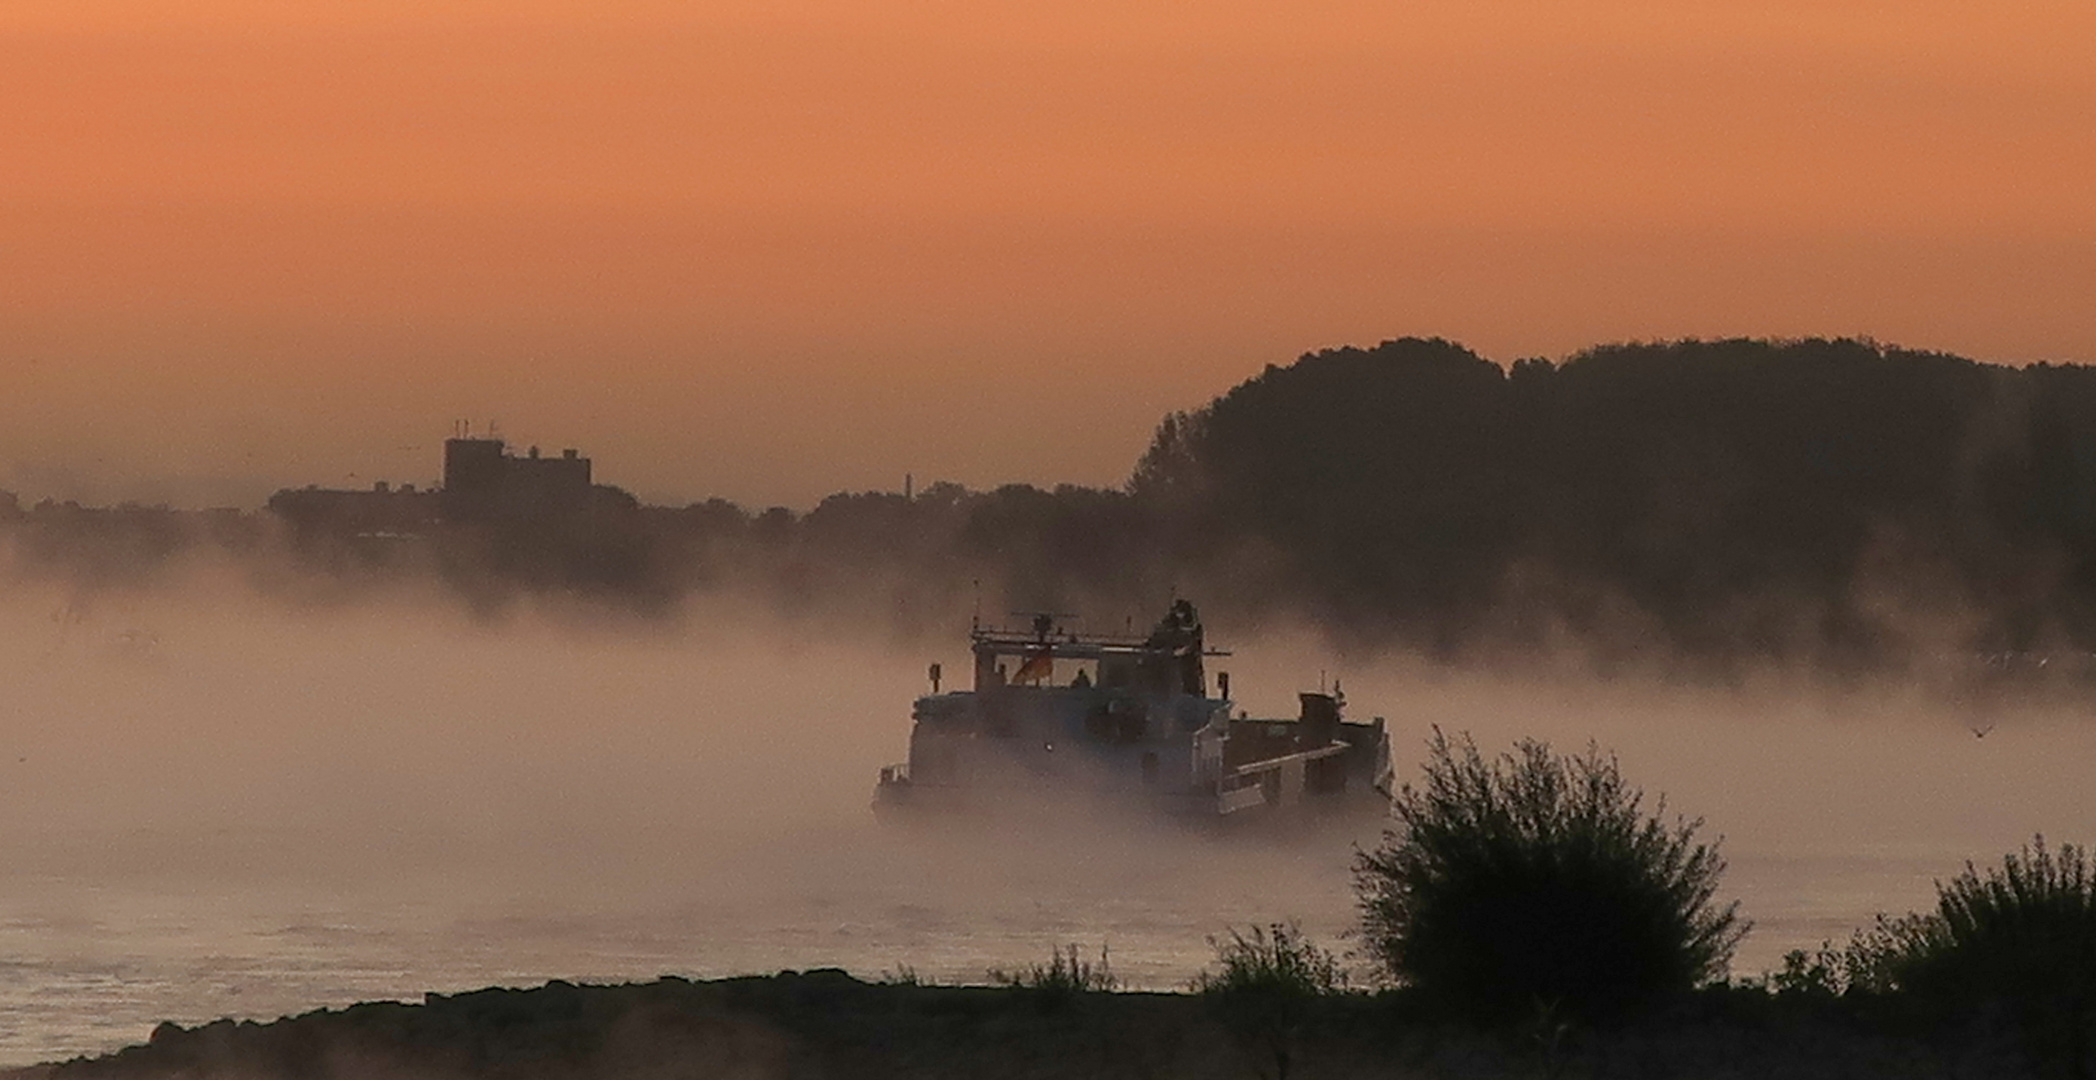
[1125,721]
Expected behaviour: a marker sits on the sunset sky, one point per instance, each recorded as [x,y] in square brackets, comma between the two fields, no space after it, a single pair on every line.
[769,250]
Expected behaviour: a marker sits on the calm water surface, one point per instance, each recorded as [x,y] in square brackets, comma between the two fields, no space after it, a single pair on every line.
[255,928]
[264,816]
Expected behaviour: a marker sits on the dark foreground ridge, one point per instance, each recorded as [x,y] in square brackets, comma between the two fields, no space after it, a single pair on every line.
[825,1023]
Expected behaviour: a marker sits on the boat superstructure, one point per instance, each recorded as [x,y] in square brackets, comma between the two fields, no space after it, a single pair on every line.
[1125,719]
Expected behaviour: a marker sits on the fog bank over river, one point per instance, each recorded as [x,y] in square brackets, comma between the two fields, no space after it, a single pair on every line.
[215,806]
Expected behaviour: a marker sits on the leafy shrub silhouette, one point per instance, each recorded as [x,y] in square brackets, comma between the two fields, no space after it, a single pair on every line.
[1821,973]
[1267,984]
[2020,936]
[1877,960]
[1535,881]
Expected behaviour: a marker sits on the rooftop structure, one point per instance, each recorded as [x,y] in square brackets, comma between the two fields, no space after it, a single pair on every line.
[483,479]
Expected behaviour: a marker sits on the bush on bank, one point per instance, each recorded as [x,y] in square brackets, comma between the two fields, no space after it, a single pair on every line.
[2024,930]
[2016,940]
[1537,882]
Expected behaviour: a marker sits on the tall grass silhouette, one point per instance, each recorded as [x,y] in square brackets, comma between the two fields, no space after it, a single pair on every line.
[1066,977]
[1265,987]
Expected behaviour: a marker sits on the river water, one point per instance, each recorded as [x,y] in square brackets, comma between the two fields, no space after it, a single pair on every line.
[252,816]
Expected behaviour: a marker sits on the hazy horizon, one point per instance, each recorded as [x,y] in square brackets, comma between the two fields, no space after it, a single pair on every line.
[107,481]
[770,251]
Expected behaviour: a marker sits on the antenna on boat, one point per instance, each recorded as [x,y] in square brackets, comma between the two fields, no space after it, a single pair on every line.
[975,620]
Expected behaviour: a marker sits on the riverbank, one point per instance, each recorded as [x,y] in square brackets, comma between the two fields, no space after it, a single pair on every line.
[826,1024]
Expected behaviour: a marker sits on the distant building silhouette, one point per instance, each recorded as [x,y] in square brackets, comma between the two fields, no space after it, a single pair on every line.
[483,480]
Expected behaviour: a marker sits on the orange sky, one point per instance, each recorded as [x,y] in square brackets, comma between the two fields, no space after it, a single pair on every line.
[774,249]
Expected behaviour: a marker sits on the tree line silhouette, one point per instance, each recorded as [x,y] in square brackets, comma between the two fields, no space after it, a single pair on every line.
[1835,503]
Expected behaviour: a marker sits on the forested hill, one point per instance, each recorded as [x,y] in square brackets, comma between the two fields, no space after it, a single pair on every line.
[1835,501]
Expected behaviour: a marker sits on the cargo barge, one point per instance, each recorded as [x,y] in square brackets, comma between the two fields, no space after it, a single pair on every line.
[1128,723]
